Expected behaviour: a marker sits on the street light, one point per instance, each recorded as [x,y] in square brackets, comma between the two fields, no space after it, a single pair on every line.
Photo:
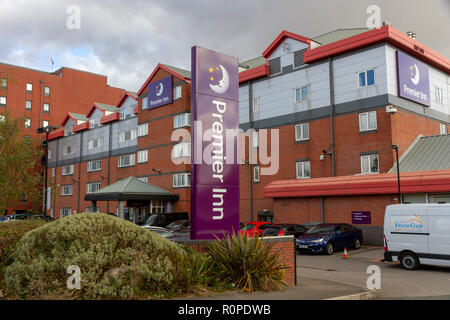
[395,147]
[47,131]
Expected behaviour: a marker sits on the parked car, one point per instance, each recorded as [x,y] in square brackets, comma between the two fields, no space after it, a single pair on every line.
[163,219]
[295,230]
[161,231]
[416,234]
[4,219]
[179,225]
[255,229]
[329,237]
[40,217]
[19,216]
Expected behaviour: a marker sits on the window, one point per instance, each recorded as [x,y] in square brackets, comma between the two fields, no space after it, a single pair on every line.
[275,66]
[181,180]
[256,174]
[95,143]
[367,78]
[2,117]
[156,206]
[64,212]
[182,149]
[439,95]
[367,121]
[255,140]
[28,104]
[46,107]
[126,160]
[68,149]
[144,103]
[256,105]
[143,179]
[53,172]
[91,210]
[67,190]
[44,123]
[369,164]
[177,92]
[29,87]
[303,169]
[182,120]
[127,135]
[94,165]
[3,101]
[142,156]
[27,123]
[67,130]
[301,94]
[49,154]
[46,91]
[92,123]
[302,132]
[443,128]
[3,83]
[142,130]
[92,187]
[67,170]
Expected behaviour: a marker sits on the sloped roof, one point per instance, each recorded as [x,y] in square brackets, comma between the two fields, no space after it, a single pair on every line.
[426,153]
[337,35]
[107,107]
[253,63]
[78,116]
[130,189]
[183,72]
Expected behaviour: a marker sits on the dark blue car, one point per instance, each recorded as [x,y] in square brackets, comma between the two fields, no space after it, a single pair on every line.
[328,238]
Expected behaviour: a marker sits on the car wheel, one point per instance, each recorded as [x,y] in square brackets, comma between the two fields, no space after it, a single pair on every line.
[357,244]
[329,249]
[409,261]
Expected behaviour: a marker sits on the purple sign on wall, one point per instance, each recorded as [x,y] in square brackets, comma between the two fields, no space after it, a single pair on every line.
[214,169]
[361,217]
[159,93]
[413,79]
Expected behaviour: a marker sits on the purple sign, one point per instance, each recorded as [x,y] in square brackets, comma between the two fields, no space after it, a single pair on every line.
[159,93]
[361,217]
[215,168]
[413,79]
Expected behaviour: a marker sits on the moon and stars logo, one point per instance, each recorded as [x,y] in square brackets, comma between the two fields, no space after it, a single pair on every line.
[219,86]
[415,75]
[159,89]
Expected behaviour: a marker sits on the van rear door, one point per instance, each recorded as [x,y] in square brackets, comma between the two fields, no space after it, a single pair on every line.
[439,239]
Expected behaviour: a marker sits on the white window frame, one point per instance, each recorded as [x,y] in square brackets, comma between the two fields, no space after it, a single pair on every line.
[366,85]
[131,160]
[302,165]
[182,149]
[177,92]
[142,130]
[133,135]
[95,143]
[182,120]
[255,139]
[90,164]
[64,212]
[368,158]
[143,179]
[29,87]
[3,100]
[72,149]
[443,128]
[27,122]
[46,107]
[256,173]
[53,172]
[142,156]
[367,121]
[302,97]
[181,180]
[439,95]
[90,185]
[256,104]
[64,172]
[46,91]
[30,103]
[44,123]
[67,190]
[144,103]
[302,137]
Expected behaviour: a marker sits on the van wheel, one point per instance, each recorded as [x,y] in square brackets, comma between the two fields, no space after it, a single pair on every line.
[357,244]
[329,249]
[409,261]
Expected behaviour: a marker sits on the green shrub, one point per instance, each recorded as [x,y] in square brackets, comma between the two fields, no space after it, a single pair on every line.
[117,259]
[247,262]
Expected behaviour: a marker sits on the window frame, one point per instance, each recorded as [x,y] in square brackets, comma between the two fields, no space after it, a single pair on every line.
[89,184]
[131,163]
[439,94]
[141,152]
[26,87]
[89,165]
[72,149]
[45,93]
[180,146]
[256,174]
[185,183]
[63,194]
[303,162]
[142,130]
[443,128]
[301,125]
[186,120]
[27,123]
[26,104]
[256,104]
[366,81]
[46,109]
[302,98]
[3,98]
[177,90]
[368,156]
[368,113]
[71,166]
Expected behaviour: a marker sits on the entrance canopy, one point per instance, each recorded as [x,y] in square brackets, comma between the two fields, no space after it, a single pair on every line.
[131,189]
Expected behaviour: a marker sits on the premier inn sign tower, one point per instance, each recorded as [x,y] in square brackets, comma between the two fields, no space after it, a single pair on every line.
[215,168]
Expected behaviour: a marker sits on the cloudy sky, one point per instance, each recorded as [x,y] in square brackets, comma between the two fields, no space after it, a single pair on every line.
[125,40]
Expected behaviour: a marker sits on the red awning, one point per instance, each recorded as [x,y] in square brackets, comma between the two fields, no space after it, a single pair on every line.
[383,183]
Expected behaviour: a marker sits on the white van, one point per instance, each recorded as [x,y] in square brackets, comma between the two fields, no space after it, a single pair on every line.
[417,234]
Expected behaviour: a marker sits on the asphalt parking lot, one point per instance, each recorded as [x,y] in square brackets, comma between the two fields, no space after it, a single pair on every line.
[396,283]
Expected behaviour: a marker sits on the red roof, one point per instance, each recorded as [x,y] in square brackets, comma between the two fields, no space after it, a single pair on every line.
[56,134]
[387,34]
[161,66]
[254,73]
[110,118]
[383,183]
[81,127]
[283,35]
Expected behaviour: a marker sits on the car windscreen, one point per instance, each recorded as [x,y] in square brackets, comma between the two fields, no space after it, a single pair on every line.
[321,228]
[176,224]
[271,231]
[249,227]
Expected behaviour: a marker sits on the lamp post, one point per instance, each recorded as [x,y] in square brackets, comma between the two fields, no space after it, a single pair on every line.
[47,131]
[395,147]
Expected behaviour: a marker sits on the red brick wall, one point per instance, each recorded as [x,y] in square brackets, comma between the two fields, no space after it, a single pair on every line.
[283,246]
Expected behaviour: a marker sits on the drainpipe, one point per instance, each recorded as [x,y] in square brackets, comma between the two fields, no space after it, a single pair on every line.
[79,171]
[109,160]
[331,75]
[250,166]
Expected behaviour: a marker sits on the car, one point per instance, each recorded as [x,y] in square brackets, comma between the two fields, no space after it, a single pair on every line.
[295,230]
[416,234]
[254,229]
[4,219]
[161,231]
[164,219]
[179,225]
[19,216]
[328,238]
